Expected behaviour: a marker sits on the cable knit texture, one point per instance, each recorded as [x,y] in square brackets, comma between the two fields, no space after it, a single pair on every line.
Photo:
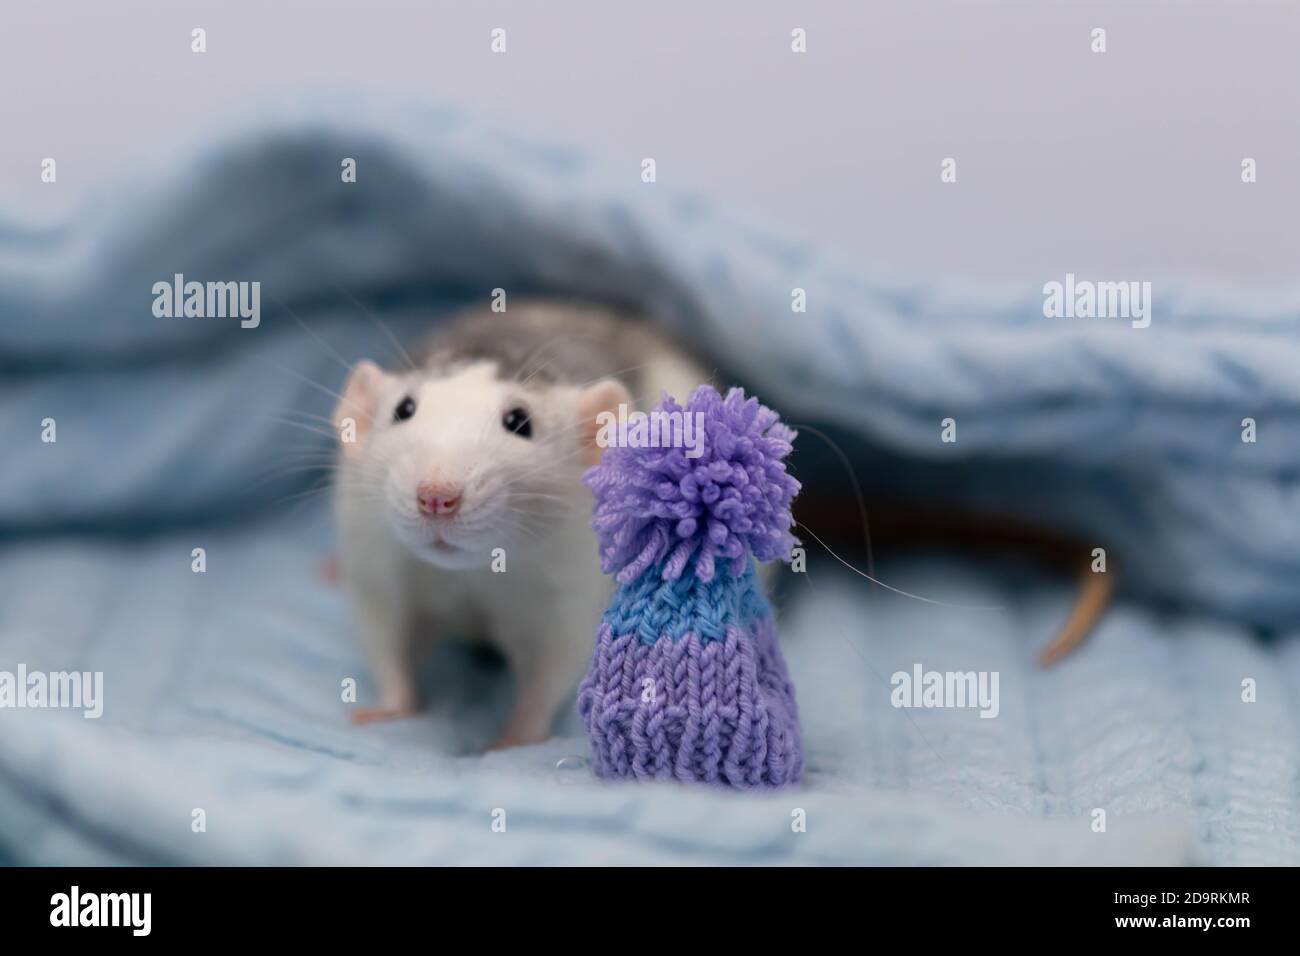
[687,680]
[224,685]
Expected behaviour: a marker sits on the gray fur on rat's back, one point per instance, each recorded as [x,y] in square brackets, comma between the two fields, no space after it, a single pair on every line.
[548,343]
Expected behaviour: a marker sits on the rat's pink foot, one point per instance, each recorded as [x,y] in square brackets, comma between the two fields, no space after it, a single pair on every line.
[375,715]
[510,739]
[328,570]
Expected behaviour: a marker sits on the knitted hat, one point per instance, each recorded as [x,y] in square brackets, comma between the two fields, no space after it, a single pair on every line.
[687,680]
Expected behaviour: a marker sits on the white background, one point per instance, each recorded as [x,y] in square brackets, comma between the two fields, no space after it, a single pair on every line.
[1125,164]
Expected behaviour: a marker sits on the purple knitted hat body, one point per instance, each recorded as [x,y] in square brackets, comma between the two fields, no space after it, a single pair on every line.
[687,680]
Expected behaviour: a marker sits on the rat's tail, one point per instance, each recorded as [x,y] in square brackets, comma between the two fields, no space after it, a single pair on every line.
[1095,590]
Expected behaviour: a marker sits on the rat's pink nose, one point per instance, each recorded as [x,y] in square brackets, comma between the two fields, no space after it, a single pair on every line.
[437,499]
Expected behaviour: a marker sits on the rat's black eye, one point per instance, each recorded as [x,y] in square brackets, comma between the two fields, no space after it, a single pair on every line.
[517,422]
[404,410]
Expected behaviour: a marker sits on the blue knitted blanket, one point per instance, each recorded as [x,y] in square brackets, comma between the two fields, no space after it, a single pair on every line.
[221,690]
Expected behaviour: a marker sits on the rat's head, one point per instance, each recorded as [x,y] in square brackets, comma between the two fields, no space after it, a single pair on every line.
[460,459]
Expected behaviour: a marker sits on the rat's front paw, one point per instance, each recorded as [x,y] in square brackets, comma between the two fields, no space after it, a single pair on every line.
[511,738]
[375,715]
[329,571]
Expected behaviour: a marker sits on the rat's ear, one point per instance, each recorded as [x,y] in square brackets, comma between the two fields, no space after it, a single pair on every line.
[596,404]
[355,412]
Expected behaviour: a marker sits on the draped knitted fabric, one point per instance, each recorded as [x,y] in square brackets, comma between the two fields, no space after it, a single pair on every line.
[687,680]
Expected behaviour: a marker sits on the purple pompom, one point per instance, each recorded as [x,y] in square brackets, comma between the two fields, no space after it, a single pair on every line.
[656,504]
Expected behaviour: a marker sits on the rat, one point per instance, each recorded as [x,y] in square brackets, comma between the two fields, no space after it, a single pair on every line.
[458,496]
[461,512]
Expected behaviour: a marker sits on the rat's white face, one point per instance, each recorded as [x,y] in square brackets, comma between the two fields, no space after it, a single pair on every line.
[466,462]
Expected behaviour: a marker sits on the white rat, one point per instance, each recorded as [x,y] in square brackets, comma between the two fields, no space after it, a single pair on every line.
[481,447]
